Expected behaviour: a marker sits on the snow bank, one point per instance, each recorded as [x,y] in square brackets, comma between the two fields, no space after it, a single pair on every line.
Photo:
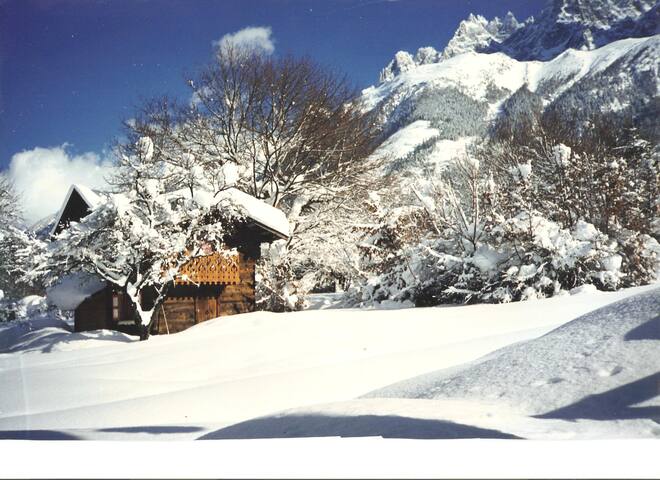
[602,367]
[597,366]
[236,368]
[33,315]
[56,336]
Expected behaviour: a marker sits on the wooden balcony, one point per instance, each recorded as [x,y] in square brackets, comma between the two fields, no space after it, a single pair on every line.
[213,269]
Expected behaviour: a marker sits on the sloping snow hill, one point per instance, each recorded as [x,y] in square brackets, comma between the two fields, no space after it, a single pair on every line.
[595,377]
[225,373]
[599,366]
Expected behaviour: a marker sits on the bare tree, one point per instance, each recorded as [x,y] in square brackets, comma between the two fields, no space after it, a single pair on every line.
[284,130]
[293,129]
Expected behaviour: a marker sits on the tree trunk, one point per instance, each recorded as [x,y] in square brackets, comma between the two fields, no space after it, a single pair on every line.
[144,331]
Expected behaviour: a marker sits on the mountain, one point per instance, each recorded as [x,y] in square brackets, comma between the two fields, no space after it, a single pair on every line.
[463,95]
[576,59]
[563,24]
[477,33]
[581,25]
[474,34]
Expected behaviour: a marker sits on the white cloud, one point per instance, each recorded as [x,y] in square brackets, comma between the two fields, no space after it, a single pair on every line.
[43,176]
[250,38]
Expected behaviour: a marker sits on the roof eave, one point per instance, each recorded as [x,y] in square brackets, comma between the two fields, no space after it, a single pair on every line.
[276,233]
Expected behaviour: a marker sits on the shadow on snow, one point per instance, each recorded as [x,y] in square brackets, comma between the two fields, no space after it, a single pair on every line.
[646,331]
[156,430]
[35,435]
[614,404]
[386,426]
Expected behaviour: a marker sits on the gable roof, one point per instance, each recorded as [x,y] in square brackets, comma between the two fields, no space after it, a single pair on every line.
[89,196]
[266,216]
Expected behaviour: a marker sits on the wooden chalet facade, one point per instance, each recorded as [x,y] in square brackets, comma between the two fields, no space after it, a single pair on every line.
[207,287]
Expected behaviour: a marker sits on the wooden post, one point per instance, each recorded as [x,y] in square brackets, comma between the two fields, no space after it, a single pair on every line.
[167,328]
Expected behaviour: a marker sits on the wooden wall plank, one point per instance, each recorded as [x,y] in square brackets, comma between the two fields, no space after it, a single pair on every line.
[94,312]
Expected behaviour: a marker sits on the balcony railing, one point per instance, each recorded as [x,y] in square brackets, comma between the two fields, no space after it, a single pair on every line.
[213,269]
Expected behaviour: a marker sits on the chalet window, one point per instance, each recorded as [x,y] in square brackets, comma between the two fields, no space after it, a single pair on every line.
[115,306]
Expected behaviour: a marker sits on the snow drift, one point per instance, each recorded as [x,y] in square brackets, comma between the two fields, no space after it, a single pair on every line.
[594,377]
[106,385]
[599,366]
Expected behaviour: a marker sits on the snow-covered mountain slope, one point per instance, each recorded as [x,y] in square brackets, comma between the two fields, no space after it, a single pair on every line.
[404,141]
[108,385]
[491,77]
[461,95]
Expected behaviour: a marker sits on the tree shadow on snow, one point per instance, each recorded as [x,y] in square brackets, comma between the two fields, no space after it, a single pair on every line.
[48,341]
[390,426]
[614,404]
[156,430]
[646,331]
[103,335]
[35,435]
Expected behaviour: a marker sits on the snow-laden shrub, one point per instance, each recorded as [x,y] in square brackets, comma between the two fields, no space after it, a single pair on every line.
[640,258]
[492,229]
[277,289]
[27,308]
[388,250]
[507,265]
[6,312]
[542,258]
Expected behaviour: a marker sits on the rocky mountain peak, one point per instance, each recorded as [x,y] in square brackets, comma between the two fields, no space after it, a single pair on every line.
[402,62]
[476,33]
[578,24]
[563,24]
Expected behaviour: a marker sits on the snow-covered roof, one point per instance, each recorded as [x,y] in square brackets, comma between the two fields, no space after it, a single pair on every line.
[266,216]
[260,212]
[43,226]
[71,290]
[89,196]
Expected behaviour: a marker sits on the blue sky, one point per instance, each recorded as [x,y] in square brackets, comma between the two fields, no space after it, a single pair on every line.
[71,70]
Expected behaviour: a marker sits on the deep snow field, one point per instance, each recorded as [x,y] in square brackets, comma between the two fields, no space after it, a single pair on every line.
[581,366]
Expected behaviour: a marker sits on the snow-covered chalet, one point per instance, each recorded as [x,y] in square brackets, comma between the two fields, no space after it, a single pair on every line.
[209,286]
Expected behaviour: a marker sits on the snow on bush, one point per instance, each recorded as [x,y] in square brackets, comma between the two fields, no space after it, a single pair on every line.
[277,290]
[514,221]
[25,315]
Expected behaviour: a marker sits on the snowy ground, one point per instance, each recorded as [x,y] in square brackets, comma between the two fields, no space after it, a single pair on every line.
[397,373]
